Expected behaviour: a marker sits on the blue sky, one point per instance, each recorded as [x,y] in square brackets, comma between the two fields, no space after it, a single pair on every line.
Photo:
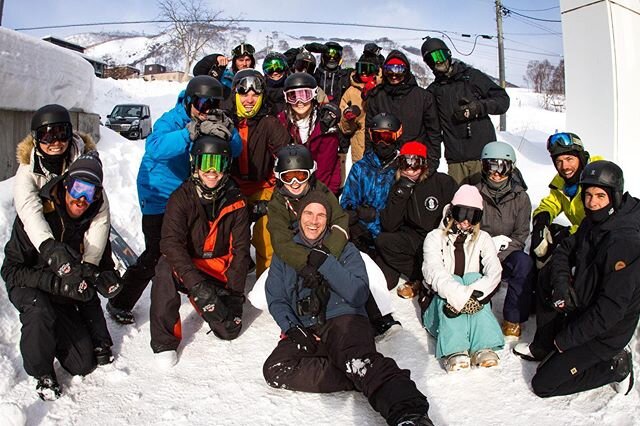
[525,39]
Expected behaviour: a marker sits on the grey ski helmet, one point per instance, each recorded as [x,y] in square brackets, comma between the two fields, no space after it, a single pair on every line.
[498,151]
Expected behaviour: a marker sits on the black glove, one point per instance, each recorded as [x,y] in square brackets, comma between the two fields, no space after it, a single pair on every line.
[329,117]
[317,256]
[353,217]
[404,186]
[366,213]
[205,296]
[107,283]
[540,221]
[258,209]
[563,297]
[59,256]
[73,286]
[468,111]
[472,306]
[304,339]
[351,112]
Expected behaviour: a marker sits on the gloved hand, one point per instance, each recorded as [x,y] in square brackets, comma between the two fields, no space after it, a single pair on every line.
[107,283]
[404,186]
[540,222]
[217,124]
[468,111]
[73,286]
[563,297]
[258,209]
[317,256]
[205,296]
[59,256]
[329,117]
[366,213]
[501,242]
[304,339]
[351,112]
[353,217]
[472,306]
[194,129]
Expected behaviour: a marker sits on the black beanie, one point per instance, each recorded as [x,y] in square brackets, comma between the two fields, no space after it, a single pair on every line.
[315,196]
[87,168]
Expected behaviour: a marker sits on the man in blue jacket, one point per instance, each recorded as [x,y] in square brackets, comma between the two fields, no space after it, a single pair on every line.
[164,166]
[327,343]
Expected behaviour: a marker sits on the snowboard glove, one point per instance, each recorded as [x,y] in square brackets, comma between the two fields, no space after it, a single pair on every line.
[258,209]
[351,112]
[59,256]
[194,129]
[205,296]
[366,213]
[304,339]
[329,117]
[311,278]
[540,221]
[472,306]
[564,298]
[108,284]
[468,111]
[317,256]
[404,186]
[215,128]
[501,242]
[353,217]
[73,286]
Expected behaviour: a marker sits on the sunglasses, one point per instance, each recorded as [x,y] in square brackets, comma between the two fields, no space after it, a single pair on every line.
[366,68]
[77,189]
[462,213]
[303,95]
[205,105]
[496,165]
[243,49]
[296,175]
[411,162]
[386,137]
[213,162]
[274,66]
[564,139]
[46,135]
[247,84]
[396,69]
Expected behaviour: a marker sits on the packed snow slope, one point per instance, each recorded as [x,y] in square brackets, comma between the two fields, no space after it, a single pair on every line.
[217,382]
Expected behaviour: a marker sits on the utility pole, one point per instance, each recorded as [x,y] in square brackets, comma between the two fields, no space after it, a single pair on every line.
[1,8]
[503,83]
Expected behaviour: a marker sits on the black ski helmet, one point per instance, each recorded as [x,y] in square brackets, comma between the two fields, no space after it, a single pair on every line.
[203,86]
[294,157]
[50,114]
[606,175]
[305,62]
[300,80]
[209,144]
[385,121]
[328,61]
[254,80]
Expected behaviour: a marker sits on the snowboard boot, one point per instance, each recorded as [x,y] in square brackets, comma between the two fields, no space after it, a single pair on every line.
[121,316]
[415,420]
[385,327]
[622,364]
[485,358]
[166,359]
[458,361]
[48,387]
[511,330]
[409,289]
[524,352]
[103,354]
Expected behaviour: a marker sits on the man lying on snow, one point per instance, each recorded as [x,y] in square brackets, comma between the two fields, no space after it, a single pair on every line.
[60,312]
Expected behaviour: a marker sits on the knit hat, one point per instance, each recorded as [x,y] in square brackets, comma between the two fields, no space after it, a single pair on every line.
[87,168]
[414,148]
[314,196]
[395,61]
[467,196]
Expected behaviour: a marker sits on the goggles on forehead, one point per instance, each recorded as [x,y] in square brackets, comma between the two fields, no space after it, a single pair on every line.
[303,95]
[462,213]
[51,133]
[412,162]
[394,69]
[366,68]
[564,139]
[77,189]
[295,175]
[497,165]
[212,162]
[205,105]
[275,65]
[243,49]
[249,83]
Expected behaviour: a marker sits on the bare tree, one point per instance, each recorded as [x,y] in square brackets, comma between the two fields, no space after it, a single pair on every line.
[192,26]
[556,85]
[539,74]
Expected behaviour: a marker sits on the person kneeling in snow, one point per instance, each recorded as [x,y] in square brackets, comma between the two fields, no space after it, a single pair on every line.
[328,344]
[454,256]
[60,312]
[205,251]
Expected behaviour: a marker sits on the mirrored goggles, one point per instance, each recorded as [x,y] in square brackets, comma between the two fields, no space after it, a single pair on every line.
[243,49]
[564,139]
[462,213]
[78,188]
[205,105]
[366,68]
[295,175]
[334,53]
[386,137]
[436,57]
[411,162]
[213,162]
[275,65]
[62,132]
[394,69]
[497,165]
[249,83]
[303,95]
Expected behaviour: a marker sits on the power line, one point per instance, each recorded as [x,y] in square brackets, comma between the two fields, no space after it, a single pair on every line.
[507,12]
[535,25]
[535,10]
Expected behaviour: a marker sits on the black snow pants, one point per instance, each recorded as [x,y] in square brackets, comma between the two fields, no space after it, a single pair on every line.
[399,253]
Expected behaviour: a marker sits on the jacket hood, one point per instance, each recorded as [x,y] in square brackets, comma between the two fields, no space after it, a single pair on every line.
[25,148]
[399,55]
[627,217]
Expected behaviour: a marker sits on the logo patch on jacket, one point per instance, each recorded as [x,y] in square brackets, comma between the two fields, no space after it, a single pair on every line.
[619,265]
[431,203]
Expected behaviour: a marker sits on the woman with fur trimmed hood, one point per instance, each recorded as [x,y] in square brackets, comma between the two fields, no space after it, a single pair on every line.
[44,154]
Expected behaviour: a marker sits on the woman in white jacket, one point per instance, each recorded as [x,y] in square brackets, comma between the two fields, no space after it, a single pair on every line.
[44,154]
[462,268]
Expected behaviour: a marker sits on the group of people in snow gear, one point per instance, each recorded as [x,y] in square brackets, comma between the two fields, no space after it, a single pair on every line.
[250,159]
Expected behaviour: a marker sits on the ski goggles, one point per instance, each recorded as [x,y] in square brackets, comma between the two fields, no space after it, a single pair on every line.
[303,95]
[243,49]
[497,165]
[248,84]
[205,105]
[51,133]
[395,69]
[295,175]
[213,162]
[462,213]
[386,137]
[333,53]
[275,65]
[366,68]
[411,162]
[564,139]
[437,57]
[77,189]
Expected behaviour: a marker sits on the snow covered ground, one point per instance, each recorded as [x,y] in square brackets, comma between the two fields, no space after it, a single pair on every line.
[221,383]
